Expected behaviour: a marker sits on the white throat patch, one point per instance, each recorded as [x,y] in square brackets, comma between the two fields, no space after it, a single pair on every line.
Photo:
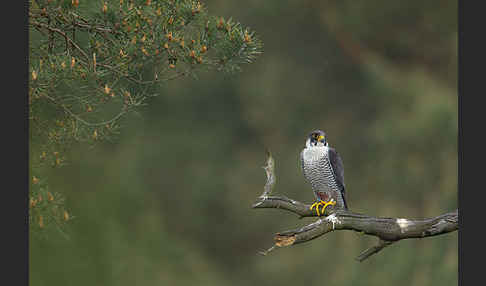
[314,153]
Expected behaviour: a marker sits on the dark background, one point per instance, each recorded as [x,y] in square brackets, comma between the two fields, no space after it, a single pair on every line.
[168,202]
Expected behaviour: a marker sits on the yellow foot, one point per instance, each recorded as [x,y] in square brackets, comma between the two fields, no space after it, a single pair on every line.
[323,204]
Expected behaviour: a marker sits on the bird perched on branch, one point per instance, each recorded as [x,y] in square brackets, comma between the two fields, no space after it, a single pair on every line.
[323,169]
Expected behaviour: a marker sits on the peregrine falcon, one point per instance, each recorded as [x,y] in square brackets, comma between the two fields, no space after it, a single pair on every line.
[323,169]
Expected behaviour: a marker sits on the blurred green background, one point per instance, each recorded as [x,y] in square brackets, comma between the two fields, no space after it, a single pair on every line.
[168,202]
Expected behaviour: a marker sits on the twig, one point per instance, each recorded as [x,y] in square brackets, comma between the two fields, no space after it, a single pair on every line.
[94,124]
[270,171]
[372,250]
[68,39]
[138,81]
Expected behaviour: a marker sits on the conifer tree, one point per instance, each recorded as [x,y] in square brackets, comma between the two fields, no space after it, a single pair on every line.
[93,62]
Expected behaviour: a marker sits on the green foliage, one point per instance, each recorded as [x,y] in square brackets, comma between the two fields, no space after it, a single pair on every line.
[46,209]
[89,67]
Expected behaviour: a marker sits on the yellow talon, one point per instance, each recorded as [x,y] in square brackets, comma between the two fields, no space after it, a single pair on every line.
[323,204]
[316,205]
[329,203]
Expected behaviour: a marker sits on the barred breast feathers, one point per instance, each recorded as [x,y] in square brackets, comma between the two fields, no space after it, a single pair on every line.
[317,169]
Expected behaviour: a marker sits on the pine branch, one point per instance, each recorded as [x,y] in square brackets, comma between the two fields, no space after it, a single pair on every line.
[89,68]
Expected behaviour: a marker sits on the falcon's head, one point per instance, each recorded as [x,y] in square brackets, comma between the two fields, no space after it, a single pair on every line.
[316,138]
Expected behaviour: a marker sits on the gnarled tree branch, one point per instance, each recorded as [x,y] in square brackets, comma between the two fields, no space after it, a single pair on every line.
[387,230]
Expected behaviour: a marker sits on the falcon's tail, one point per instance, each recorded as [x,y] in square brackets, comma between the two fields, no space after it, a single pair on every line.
[344,200]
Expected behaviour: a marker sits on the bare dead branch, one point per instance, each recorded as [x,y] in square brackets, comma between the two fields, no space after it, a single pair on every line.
[388,230]
[270,171]
[372,250]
